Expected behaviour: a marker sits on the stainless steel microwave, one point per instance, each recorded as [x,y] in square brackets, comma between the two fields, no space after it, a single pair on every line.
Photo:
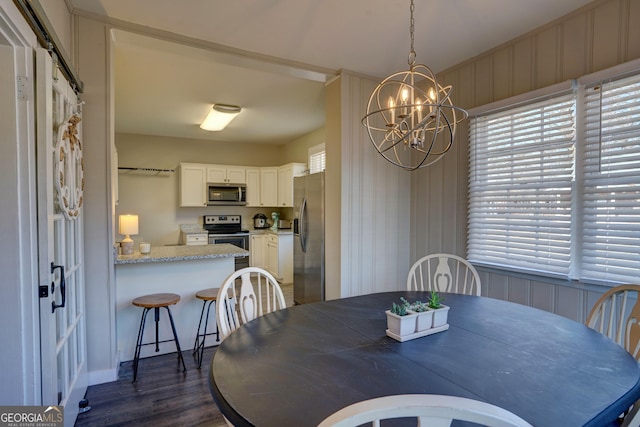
[226,194]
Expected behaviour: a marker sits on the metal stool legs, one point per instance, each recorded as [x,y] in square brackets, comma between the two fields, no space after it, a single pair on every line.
[198,346]
[139,343]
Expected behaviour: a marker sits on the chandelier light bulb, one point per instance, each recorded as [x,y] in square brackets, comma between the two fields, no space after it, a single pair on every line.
[432,94]
[392,112]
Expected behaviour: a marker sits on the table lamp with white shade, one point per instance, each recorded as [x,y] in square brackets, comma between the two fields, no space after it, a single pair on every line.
[127,225]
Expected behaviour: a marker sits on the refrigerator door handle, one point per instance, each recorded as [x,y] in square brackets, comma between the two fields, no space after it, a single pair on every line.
[303,225]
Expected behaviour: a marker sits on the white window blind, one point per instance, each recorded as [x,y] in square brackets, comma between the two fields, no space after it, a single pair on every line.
[520,186]
[611,221]
[317,158]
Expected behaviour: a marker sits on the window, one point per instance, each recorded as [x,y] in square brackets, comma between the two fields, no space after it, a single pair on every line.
[317,158]
[611,191]
[520,186]
[554,184]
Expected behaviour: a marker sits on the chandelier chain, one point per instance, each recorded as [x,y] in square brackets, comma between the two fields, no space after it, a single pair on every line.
[412,52]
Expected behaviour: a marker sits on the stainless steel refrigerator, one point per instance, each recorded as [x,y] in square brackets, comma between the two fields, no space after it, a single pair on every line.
[308,238]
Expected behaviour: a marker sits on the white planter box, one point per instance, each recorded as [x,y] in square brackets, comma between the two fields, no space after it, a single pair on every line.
[401,325]
[424,320]
[440,316]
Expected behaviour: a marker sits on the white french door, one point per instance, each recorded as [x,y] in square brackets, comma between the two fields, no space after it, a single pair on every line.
[60,240]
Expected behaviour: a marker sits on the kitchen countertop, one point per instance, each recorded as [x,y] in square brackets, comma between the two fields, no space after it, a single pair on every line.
[182,253]
[269,231]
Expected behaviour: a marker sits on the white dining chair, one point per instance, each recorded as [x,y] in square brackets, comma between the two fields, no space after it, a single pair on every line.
[257,293]
[616,315]
[430,410]
[444,273]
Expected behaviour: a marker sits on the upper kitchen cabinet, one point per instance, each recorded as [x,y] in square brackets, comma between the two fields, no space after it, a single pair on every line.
[266,186]
[286,173]
[226,174]
[269,186]
[193,182]
[262,187]
[253,187]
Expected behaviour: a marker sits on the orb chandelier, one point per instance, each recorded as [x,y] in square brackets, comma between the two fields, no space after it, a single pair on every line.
[411,119]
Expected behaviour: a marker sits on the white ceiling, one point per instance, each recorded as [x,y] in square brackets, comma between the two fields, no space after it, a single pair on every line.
[272,56]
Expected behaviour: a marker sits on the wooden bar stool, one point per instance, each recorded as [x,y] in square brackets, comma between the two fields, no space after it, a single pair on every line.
[209,297]
[155,301]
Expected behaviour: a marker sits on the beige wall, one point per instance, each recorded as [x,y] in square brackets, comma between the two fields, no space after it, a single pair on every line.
[595,37]
[166,152]
[298,151]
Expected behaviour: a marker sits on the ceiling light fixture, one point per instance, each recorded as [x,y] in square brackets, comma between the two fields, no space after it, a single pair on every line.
[410,117]
[220,116]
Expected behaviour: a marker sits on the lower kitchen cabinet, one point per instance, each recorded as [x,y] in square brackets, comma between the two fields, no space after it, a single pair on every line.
[258,251]
[274,253]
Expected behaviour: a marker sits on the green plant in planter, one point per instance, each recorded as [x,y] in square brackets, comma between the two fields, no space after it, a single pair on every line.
[400,309]
[420,306]
[435,300]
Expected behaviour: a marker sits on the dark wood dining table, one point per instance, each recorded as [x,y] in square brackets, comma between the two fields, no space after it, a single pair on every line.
[297,366]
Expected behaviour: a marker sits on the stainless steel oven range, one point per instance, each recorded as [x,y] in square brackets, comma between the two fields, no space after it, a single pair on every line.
[228,229]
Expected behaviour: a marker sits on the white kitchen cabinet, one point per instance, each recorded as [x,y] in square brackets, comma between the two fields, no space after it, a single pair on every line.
[286,173]
[258,251]
[269,186]
[253,187]
[280,256]
[262,187]
[226,174]
[266,186]
[272,255]
[193,181]
[194,239]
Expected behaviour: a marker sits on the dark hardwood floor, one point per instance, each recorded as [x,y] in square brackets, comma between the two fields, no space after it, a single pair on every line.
[162,395]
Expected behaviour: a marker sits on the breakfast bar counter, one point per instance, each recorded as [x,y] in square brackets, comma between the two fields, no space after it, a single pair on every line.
[183,253]
[182,270]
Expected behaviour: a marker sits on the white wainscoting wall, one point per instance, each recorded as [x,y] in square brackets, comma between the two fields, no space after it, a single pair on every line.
[368,200]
